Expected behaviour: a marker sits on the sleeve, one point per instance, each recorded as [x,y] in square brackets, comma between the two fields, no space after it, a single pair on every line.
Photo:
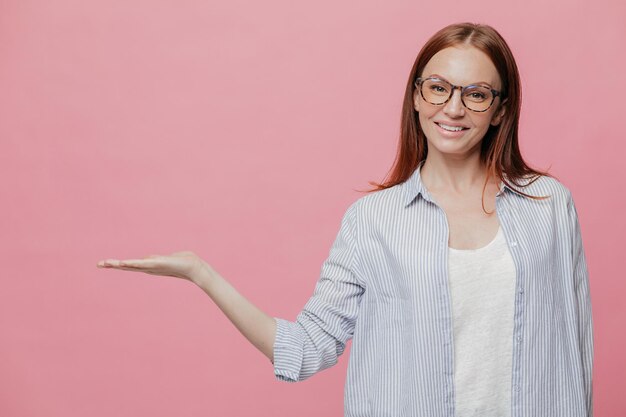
[319,335]
[583,300]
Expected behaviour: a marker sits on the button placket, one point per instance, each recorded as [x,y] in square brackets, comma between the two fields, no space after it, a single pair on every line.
[507,212]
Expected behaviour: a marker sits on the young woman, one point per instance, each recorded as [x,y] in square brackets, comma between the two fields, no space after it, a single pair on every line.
[462,280]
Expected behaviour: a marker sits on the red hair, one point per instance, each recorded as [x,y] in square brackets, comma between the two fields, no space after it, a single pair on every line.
[499,150]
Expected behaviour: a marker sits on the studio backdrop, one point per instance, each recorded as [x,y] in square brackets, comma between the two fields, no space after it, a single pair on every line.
[242,131]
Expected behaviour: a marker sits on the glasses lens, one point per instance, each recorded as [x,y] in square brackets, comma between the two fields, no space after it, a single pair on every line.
[477,98]
[436,91]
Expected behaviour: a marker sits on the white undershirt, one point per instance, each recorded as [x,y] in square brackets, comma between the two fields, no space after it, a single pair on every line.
[482,287]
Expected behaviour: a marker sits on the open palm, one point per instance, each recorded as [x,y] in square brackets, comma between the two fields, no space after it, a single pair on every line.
[184,264]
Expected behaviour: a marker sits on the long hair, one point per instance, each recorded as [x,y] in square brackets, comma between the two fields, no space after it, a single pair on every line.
[499,150]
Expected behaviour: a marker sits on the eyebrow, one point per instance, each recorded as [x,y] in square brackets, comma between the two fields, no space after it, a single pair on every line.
[476,83]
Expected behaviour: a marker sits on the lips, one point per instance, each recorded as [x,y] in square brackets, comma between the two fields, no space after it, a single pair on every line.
[451,134]
[453,125]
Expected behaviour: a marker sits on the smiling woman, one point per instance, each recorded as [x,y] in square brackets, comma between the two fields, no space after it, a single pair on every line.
[462,279]
[452,112]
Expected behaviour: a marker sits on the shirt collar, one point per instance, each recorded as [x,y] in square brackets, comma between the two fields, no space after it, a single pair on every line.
[414,187]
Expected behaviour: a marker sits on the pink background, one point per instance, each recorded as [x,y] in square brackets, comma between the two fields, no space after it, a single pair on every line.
[241,130]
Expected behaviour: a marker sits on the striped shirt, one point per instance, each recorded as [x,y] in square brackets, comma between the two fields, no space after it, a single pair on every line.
[385,285]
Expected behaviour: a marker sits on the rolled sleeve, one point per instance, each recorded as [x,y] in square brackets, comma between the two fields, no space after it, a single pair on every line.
[583,299]
[319,335]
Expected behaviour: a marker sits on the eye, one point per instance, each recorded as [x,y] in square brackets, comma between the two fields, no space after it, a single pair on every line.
[477,93]
[437,86]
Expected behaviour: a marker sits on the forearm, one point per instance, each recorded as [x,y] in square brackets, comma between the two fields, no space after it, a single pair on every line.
[254,324]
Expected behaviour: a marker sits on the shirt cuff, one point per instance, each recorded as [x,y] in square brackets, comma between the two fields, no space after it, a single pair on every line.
[288,350]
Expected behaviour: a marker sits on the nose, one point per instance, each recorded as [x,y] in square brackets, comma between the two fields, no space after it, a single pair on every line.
[454,107]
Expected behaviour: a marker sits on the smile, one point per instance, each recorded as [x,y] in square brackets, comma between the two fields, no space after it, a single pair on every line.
[451,128]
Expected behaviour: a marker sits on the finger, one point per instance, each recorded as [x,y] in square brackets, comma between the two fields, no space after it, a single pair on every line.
[126,263]
[107,263]
[137,263]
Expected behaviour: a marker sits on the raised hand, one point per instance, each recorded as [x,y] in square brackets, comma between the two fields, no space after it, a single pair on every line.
[258,327]
[185,265]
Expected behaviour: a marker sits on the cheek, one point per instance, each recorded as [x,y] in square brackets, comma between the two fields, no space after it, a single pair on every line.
[422,119]
[483,123]
[425,115]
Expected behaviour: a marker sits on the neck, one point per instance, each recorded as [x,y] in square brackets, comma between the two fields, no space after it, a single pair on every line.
[459,175]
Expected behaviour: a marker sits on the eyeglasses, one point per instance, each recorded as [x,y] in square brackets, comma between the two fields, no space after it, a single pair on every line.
[477,98]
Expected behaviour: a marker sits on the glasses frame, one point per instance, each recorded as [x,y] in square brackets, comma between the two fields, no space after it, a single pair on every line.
[420,80]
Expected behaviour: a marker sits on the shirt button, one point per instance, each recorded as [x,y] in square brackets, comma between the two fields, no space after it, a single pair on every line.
[519,338]
[521,290]
[516,387]
[513,243]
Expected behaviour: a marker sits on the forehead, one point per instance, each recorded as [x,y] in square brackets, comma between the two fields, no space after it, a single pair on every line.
[463,65]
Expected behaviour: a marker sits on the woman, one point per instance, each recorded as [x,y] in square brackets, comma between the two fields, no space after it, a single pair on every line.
[462,280]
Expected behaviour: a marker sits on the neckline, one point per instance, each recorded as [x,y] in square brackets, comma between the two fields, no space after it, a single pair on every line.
[488,245]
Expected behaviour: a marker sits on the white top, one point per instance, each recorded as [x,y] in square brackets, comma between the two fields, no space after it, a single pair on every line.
[482,288]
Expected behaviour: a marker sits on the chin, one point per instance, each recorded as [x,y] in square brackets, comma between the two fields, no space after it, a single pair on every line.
[446,146]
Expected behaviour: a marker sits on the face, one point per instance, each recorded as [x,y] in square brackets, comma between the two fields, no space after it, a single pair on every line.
[460,65]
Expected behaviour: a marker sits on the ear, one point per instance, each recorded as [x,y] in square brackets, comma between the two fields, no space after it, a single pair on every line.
[416,99]
[497,118]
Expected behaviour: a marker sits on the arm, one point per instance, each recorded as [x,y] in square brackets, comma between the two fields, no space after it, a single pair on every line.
[254,324]
[583,299]
[297,349]
[318,336]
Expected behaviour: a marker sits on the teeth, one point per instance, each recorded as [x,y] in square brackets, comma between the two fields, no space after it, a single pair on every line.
[451,128]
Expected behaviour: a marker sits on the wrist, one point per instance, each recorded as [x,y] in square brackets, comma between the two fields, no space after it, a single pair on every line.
[202,275]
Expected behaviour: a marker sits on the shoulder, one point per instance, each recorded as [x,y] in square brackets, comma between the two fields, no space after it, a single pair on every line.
[376,202]
[545,185]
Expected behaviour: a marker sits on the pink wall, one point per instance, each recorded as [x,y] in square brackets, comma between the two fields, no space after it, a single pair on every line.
[239,130]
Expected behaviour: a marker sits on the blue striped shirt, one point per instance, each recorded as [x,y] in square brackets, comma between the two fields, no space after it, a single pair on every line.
[385,284]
